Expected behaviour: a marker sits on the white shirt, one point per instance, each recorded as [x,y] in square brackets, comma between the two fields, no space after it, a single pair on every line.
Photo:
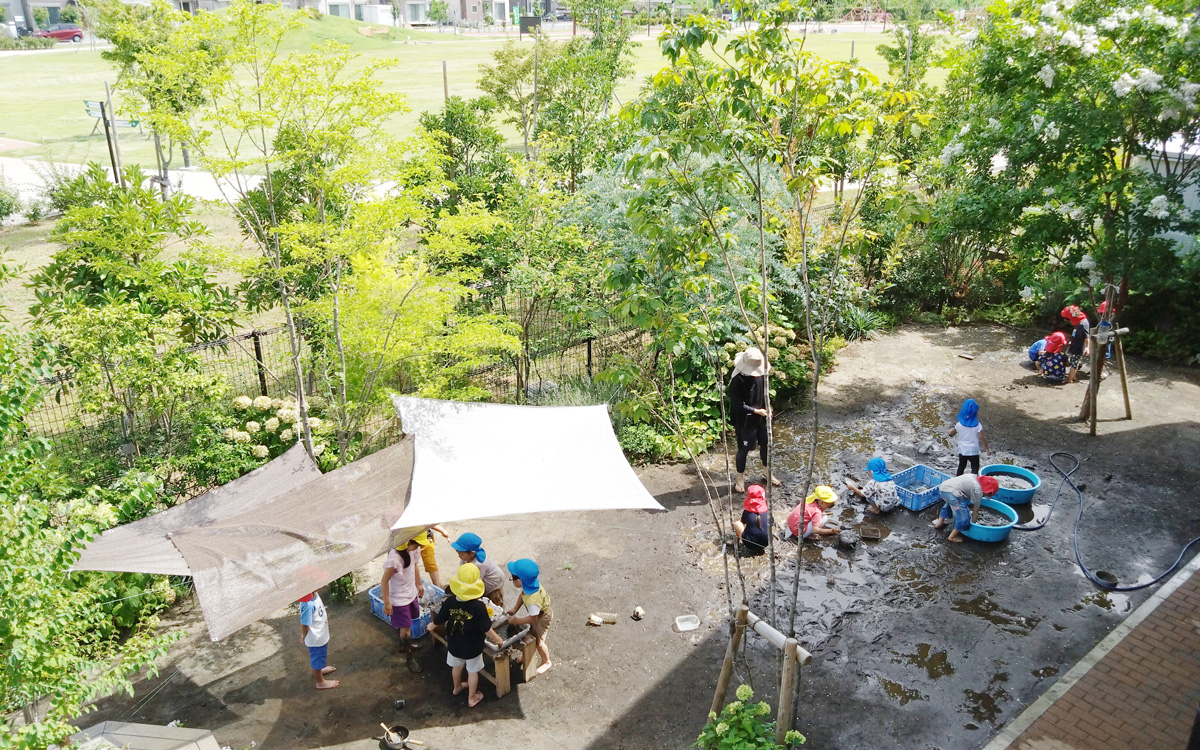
[968,439]
[312,614]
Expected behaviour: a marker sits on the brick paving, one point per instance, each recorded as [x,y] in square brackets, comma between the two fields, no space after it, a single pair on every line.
[1140,695]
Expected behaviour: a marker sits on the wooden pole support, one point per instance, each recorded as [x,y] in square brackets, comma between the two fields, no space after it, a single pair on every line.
[787,688]
[1094,384]
[735,638]
[1124,378]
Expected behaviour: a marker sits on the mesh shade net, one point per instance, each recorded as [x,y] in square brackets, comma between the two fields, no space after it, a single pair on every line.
[145,547]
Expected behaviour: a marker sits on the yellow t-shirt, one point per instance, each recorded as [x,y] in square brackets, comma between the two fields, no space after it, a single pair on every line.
[537,602]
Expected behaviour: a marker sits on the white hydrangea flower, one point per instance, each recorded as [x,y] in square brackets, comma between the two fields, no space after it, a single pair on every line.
[1071,38]
[315,423]
[227,433]
[951,152]
[253,427]
[318,449]
[242,403]
[262,403]
[1158,208]
[271,424]
[1027,293]
[276,403]
[1123,85]
[260,451]
[1046,75]
[1050,10]
[286,436]
[1086,263]
[1148,81]
[1047,192]
[241,437]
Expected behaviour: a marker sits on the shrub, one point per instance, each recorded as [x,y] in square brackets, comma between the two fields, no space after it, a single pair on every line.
[342,589]
[858,323]
[68,14]
[742,726]
[64,189]
[35,210]
[25,42]
[10,201]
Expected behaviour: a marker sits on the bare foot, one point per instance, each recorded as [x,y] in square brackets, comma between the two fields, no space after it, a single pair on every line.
[327,684]
[474,700]
[938,524]
[954,537]
[544,668]
[873,510]
[739,486]
[459,688]
[775,481]
[328,670]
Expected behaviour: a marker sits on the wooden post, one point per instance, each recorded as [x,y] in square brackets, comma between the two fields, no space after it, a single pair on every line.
[1094,384]
[735,638]
[116,142]
[445,82]
[851,49]
[787,688]
[1124,381]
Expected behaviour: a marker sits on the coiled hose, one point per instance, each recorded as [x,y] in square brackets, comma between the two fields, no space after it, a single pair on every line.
[1066,481]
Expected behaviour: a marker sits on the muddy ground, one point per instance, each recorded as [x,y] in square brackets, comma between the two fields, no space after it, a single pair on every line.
[917,643]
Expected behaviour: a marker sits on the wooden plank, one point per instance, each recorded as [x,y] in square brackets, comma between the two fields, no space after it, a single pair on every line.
[787,689]
[1094,385]
[1124,378]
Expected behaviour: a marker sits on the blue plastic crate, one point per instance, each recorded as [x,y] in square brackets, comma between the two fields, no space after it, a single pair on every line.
[911,479]
[421,624]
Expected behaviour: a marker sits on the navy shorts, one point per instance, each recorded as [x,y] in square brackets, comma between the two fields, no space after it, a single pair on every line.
[317,656]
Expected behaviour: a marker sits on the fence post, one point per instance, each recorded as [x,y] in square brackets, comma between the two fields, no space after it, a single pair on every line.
[258,360]
[589,357]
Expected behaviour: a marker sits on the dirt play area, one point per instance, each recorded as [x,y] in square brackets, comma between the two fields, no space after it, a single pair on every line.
[917,643]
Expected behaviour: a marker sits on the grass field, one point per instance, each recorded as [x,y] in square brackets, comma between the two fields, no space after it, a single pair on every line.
[43,93]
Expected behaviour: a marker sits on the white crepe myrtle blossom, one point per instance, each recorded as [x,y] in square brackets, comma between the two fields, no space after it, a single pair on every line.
[1158,208]
[1071,38]
[970,37]
[1027,293]
[1050,10]
[1033,211]
[1038,121]
[242,403]
[1026,31]
[951,152]
[1086,263]
[260,451]
[1049,191]
[1091,42]
[965,129]
[1046,75]
[1068,4]
[1051,132]
[1148,81]
[262,403]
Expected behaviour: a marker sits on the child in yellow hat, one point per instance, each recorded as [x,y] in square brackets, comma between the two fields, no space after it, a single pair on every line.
[428,557]
[812,512]
[465,622]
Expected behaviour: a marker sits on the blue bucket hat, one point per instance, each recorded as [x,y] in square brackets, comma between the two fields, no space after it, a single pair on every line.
[878,468]
[470,543]
[526,570]
[968,415]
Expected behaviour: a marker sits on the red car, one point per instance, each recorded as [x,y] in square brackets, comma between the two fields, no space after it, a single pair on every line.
[63,32]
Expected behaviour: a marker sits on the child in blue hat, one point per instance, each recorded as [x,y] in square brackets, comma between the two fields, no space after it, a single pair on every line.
[470,550]
[970,436]
[536,601]
[879,491]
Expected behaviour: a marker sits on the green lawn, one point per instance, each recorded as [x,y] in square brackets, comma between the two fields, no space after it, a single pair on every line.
[42,98]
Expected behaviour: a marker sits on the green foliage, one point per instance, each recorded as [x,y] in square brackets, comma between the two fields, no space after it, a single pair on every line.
[857,323]
[510,83]
[474,161]
[68,14]
[10,200]
[343,589]
[35,210]
[41,16]
[742,725]
[25,42]
[439,11]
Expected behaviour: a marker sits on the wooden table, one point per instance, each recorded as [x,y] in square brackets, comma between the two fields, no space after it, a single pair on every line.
[500,658]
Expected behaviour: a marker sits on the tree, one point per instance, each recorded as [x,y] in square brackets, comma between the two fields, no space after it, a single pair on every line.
[29,17]
[518,85]
[41,16]
[58,650]
[439,11]
[473,150]
[68,14]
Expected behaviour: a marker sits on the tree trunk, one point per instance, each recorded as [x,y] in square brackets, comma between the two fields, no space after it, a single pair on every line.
[27,9]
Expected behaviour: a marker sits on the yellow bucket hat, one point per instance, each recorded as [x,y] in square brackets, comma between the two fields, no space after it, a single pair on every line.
[466,584]
[425,539]
[823,493]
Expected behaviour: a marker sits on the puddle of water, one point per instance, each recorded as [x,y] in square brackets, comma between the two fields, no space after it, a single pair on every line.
[935,663]
[1007,620]
[986,705]
[1110,600]
[899,693]
[1044,672]
[927,412]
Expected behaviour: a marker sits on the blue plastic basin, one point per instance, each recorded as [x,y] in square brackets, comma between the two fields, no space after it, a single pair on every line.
[993,533]
[1013,497]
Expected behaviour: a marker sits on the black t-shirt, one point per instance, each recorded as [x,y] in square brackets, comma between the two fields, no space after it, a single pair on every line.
[757,525]
[467,624]
[1079,336]
[746,394]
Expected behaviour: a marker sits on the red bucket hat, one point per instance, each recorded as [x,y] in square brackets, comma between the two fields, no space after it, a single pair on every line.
[1055,342]
[988,485]
[756,499]
[1073,313]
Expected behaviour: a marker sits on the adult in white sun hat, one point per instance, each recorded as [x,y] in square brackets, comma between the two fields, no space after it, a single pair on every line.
[748,409]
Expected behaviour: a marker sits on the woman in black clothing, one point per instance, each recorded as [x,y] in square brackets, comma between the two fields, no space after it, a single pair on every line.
[748,396]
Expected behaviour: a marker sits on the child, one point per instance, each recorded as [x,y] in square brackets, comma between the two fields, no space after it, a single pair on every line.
[813,511]
[1052,362]
[756,522]
[536,603]
[879,491]
[401,590]
[963,496]
[970,436]
[464,618]
[470,550]
[428,558]
[1080,339]
[314,632]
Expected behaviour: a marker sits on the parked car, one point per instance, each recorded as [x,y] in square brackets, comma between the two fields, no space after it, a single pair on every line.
[559,15]
[63,32]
